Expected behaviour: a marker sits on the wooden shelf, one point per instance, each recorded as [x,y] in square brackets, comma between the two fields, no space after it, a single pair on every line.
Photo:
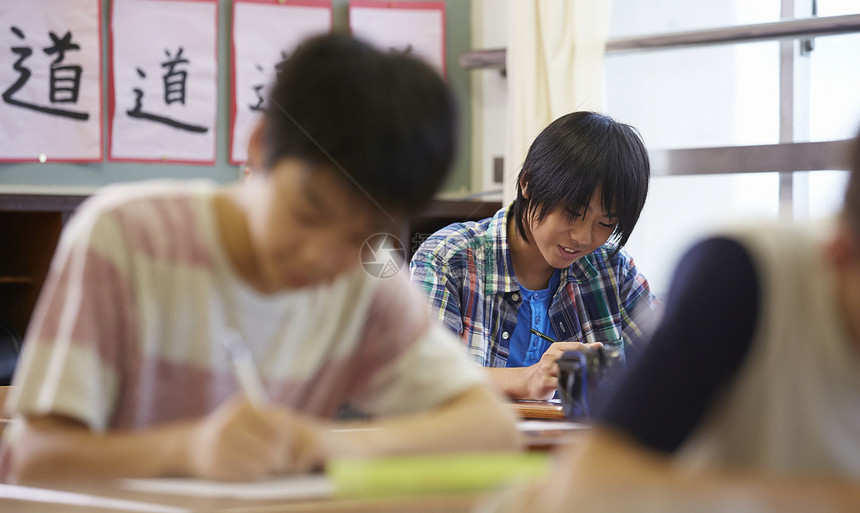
[16,280]
[31,221]
[27,242]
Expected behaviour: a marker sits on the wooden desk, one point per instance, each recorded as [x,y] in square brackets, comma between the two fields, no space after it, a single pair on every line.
[548,435]
[538,410]
[109,496]
[543,425]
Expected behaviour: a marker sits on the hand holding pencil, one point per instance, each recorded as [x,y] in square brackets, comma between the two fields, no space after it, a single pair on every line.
[249,437]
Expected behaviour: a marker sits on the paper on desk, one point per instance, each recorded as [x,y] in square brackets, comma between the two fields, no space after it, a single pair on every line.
[376,477]
[549,425]
[315,486]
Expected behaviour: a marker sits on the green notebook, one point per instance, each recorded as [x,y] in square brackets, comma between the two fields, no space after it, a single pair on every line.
[408,475]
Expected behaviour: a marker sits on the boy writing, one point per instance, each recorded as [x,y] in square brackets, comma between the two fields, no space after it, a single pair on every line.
[124,371]
[550,266]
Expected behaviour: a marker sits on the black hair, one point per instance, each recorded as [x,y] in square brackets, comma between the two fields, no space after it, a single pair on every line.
[571,158]
[384,121]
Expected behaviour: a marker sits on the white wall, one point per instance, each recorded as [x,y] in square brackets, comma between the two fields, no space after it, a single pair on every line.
[489,95]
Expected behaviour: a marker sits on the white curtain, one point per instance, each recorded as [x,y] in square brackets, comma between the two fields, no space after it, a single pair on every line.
[555,66]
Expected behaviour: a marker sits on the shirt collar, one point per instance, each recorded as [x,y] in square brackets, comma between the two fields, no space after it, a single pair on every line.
[503,268]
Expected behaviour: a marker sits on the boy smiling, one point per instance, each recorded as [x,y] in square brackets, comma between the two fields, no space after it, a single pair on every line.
[551,265]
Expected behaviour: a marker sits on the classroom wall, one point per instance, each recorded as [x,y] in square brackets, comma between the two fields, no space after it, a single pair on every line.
[94,175]
[489,100]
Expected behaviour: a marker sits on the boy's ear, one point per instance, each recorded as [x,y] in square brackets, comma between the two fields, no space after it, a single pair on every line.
[523,185]
[256,147]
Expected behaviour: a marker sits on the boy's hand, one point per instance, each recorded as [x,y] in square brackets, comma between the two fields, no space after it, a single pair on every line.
[541,379]
[239,442]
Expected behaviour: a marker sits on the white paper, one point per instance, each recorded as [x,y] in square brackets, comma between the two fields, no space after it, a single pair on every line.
[51,104]
[549,425]
[164,80]
[421,32]
[316,486]
[83,500]
[263,34]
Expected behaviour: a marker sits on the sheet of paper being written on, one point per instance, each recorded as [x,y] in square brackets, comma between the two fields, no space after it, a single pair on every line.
[315,486]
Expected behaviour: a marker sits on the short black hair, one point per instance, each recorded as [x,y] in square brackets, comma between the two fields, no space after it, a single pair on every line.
[385,120]
[571,158]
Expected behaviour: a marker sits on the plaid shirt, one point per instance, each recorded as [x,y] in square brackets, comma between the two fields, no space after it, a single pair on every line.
[465,271]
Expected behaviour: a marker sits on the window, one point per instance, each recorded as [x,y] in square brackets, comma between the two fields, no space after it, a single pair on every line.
[729,95]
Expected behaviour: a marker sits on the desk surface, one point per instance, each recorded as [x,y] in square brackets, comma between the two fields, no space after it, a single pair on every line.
[65,497]
[109,496]
[552,432]
[547,410]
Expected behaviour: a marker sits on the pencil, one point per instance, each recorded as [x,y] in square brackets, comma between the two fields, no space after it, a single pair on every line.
[541,335]
[245,370]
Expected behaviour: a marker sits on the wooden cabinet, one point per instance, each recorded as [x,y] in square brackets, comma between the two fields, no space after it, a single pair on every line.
[29,239]
[27,242]
[30,226]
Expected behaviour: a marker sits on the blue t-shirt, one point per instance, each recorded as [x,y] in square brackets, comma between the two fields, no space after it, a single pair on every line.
[526,348]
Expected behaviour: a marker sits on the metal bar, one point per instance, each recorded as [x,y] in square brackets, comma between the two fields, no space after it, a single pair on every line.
[806,27]
[823,26]
[492,58]
[786,113]
[807,156]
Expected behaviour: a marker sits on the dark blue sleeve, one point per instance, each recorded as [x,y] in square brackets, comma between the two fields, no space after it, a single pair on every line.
[708,324]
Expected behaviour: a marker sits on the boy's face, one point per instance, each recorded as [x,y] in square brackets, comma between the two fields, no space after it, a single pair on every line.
[307,226]
[566,236]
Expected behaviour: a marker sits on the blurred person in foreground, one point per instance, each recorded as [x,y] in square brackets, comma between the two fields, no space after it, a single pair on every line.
[124,371]
[747,397]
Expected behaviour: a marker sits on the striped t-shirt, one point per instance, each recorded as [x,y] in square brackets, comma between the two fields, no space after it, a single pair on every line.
[128,330]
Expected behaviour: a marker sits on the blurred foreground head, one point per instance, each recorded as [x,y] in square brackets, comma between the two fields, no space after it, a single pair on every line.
[385,122]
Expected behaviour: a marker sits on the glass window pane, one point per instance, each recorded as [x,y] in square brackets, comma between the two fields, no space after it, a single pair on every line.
[697,97]
[681,209]
[837,7]
[818,194]
[635,17]
[834,88]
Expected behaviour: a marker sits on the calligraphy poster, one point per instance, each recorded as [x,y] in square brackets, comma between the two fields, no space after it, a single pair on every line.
[163,66]
[50,81]
[413,27]
[265,32]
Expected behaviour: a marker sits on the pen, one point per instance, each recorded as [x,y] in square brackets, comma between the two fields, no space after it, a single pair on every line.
[245,370]
[541,335]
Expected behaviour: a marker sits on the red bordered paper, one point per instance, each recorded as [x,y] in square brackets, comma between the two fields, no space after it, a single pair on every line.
[50,81]
[264,33]
[163,81]
[414,27]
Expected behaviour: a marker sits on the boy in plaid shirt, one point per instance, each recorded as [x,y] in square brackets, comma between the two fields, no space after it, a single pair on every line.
[550,266]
